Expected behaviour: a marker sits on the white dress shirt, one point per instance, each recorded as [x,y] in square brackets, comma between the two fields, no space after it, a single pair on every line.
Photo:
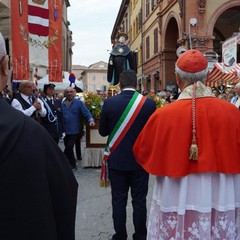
[29,111]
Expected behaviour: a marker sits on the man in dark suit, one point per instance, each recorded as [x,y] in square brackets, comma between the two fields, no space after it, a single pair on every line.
[53,119]
[124,171]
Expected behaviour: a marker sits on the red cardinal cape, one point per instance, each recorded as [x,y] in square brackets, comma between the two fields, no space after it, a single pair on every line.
[162,147]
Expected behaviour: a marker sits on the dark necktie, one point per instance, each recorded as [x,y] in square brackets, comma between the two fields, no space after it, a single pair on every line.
[30,100]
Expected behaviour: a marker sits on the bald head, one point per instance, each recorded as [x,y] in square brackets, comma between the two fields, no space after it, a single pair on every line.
[237,85]
[237,89]
[69,93]
[26,88]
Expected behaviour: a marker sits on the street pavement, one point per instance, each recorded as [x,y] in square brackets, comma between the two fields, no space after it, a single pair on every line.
[94,211]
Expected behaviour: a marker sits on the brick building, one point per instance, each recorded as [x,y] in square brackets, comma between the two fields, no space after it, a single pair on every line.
[157,28]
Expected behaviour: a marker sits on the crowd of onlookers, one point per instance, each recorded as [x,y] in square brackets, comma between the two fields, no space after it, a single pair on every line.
[167,96]
[220,91]
[60,114]
[227,93]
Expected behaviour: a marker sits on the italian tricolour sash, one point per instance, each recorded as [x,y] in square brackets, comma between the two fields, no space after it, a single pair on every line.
[119,131]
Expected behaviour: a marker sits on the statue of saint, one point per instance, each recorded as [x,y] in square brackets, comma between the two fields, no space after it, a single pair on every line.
[121,58]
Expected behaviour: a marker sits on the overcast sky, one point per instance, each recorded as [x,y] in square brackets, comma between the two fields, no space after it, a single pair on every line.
[91,22]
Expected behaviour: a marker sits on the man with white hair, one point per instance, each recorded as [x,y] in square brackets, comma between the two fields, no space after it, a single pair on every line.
[193,147]
[37,186]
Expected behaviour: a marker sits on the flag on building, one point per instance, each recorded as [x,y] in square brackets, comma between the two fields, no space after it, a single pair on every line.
[36,38]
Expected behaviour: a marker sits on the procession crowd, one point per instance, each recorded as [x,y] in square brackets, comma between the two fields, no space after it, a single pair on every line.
[191,144]
[60,115]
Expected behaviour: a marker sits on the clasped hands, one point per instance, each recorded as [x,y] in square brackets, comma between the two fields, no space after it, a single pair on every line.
[37,105]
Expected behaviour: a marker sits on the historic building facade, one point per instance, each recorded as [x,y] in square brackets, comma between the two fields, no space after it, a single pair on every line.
[170,24]
[94,77]
[136,37]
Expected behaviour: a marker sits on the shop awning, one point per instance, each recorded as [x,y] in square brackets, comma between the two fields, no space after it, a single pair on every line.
[218,76]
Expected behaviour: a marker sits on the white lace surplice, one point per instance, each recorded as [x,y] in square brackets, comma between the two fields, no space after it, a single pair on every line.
[199,206]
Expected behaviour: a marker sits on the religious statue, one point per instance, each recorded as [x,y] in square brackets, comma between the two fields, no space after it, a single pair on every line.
[121,58]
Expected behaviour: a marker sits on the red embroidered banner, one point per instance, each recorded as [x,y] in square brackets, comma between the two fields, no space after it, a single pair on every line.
[55,49]
[36,38]
[20,49]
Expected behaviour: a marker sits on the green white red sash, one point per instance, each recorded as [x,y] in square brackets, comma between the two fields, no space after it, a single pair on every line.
[119,131]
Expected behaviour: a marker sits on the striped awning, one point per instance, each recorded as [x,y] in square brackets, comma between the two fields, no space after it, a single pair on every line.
[217,75]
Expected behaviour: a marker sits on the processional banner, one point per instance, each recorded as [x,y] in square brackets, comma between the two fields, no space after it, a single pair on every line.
[36,38]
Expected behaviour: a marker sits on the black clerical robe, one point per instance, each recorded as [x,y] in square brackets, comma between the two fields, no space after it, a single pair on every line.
[38,190]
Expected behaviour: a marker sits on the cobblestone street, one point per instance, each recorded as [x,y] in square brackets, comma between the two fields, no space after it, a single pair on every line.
[94,211]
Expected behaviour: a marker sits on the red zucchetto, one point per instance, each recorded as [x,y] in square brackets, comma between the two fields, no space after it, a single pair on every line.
[192,61]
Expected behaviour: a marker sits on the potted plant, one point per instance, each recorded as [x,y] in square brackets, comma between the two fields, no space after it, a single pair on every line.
[93,102]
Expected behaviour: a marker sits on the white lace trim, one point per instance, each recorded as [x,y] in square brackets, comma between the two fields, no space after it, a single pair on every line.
[199,206]
[193,225]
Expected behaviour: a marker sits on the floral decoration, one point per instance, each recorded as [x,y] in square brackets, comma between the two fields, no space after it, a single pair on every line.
[93,102]
[159,102]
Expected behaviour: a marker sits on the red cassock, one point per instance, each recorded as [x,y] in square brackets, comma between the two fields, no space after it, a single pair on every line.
[162,147]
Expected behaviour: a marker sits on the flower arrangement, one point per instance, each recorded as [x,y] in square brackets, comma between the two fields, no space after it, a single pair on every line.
[93,102]
[159,101]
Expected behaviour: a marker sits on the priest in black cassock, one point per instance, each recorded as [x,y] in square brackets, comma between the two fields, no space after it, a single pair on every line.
[38,190]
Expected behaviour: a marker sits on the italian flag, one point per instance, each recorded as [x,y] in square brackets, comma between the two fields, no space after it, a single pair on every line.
[36,38]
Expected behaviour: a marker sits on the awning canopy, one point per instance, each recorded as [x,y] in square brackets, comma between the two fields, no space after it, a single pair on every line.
[218,76]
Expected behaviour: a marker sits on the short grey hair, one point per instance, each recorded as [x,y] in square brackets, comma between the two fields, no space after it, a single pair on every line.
[3,51]
[162,94]
[192,77]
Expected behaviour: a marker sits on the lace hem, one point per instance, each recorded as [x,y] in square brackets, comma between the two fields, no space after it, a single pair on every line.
[193,225]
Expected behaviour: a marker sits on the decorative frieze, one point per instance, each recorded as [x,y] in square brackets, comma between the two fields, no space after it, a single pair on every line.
[201,6]
[180,2]
[159,23]
[200,41]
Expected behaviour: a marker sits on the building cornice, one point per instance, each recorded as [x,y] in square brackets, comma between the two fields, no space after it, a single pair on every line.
[163,11]
[120,16]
